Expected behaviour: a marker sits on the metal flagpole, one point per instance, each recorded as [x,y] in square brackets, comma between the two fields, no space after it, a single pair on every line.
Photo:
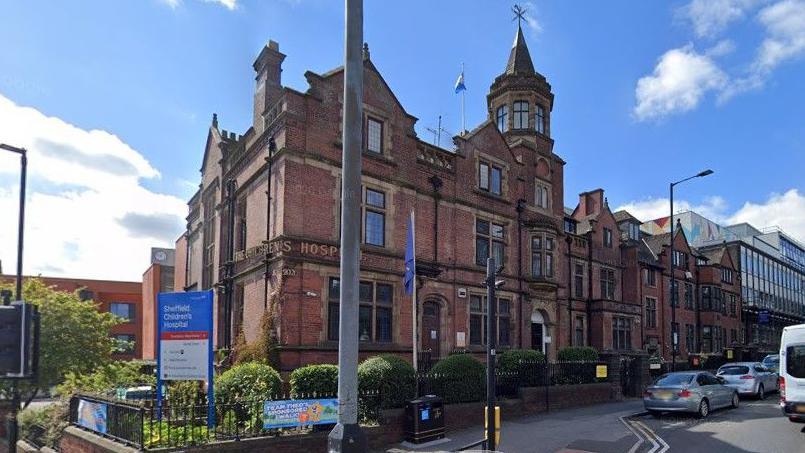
[463,127]
[347,435]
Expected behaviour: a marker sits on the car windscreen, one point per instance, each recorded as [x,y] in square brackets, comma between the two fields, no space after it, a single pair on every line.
[771,361]
[733,370]
[674,379]
[795,361]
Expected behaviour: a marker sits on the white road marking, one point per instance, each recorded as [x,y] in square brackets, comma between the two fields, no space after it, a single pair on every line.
[639,439]
[662,445]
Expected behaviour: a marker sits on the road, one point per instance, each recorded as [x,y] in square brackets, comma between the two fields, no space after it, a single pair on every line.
[756,426]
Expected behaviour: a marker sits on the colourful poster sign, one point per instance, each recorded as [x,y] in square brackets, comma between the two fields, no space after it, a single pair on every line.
[92,415]
[185,331]
[290,413]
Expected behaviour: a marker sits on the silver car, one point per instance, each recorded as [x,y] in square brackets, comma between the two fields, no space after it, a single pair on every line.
[688,391]
[749,378]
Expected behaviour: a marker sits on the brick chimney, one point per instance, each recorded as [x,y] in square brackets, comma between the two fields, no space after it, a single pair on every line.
[591,203]
[268,69]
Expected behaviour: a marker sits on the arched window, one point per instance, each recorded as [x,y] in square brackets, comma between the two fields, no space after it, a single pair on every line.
[503,118]
[540,119]
[541,196]
[520,115]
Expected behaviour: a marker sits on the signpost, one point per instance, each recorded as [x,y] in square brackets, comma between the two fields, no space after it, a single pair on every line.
[184,330]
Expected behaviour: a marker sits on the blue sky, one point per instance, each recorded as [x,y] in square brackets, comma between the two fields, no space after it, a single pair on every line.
[646,92]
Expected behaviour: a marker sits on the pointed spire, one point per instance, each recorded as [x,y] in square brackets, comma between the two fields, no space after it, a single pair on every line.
[519,59]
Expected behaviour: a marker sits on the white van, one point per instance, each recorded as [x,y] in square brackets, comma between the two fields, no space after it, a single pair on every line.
[792,373]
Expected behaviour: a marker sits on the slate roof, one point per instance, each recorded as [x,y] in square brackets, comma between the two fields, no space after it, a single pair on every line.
[622,215]
[519,59]
[656,243]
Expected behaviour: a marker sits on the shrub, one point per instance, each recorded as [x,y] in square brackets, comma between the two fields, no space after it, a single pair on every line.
[54,418]
[315,379]
[525,366]
[511,361]
[389,375]
[248,381]
[578,354]
[105,379]
[458,378]
[184,393]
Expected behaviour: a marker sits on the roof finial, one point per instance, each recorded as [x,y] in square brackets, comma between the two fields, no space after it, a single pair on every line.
[519,14]
[215,120]
[366,51]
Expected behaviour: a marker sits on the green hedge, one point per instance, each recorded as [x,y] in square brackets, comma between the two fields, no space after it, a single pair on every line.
[249,381]
[389,375]
[458,378]
[320,380]
[512,361]
[578,353]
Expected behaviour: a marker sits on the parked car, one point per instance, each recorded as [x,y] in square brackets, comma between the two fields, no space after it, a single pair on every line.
[749,378]
[689,391]
[792,372]
[772,362]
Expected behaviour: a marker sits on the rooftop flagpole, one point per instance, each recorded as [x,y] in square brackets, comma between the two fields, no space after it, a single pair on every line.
[463,126]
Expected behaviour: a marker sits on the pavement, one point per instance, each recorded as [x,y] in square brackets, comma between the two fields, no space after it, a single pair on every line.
[592,428]
[624,427]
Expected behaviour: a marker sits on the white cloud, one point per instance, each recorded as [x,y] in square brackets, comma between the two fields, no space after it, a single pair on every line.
[654,208]
[786,211]
[784,23]
[530,18]
[723,47]
[711,17]
[679,81]
[228,4]
[87,214]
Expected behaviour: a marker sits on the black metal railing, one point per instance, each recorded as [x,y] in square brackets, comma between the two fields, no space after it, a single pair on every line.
[182,423]
[121,420]
[147,426]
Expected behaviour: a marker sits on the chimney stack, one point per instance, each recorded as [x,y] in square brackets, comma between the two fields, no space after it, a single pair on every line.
[268,69]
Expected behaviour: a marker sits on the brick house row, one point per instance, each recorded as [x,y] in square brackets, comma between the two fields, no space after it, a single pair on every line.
[263,228]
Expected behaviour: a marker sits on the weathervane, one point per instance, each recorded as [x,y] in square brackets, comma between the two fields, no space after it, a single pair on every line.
[519,13]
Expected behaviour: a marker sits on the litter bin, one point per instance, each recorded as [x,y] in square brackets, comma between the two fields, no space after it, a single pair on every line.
[424,419]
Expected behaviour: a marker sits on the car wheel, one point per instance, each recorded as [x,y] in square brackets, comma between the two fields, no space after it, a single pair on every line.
[735,400]
[704,409]
[761,392]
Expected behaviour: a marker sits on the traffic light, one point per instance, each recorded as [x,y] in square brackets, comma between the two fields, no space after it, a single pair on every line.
[18,335]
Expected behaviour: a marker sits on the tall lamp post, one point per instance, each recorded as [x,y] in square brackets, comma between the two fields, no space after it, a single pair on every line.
[674,292]
[12,435]
[347,436]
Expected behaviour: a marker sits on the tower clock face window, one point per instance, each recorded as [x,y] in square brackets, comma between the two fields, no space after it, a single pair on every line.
[503,118]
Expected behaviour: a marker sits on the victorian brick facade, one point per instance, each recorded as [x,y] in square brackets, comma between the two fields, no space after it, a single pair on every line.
[498,193]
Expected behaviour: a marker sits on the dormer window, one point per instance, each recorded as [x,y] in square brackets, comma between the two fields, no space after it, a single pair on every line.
[374,135]
[634,231]
[503,118]
[520,115]
[540,119]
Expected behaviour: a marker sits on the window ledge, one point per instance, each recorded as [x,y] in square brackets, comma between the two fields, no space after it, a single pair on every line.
[382,157]
[491,195]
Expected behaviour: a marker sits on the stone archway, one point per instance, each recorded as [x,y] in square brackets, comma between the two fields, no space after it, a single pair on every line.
[539,330]
[434,334]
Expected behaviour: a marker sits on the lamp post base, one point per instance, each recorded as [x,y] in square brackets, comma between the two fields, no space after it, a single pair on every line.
[346,439]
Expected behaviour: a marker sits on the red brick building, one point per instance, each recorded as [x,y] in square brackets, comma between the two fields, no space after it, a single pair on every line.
[124,299]
[158,278]
[499,193]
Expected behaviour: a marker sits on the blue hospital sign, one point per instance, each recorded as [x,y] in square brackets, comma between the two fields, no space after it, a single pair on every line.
[185,334]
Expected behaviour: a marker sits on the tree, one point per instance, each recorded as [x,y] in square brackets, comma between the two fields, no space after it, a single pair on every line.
[74,334]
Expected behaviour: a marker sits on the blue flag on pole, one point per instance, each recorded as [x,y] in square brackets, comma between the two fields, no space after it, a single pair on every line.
[410,258]
[460,82]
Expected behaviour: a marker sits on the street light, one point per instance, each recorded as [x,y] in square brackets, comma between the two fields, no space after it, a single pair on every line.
[12,423]
[674,292]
